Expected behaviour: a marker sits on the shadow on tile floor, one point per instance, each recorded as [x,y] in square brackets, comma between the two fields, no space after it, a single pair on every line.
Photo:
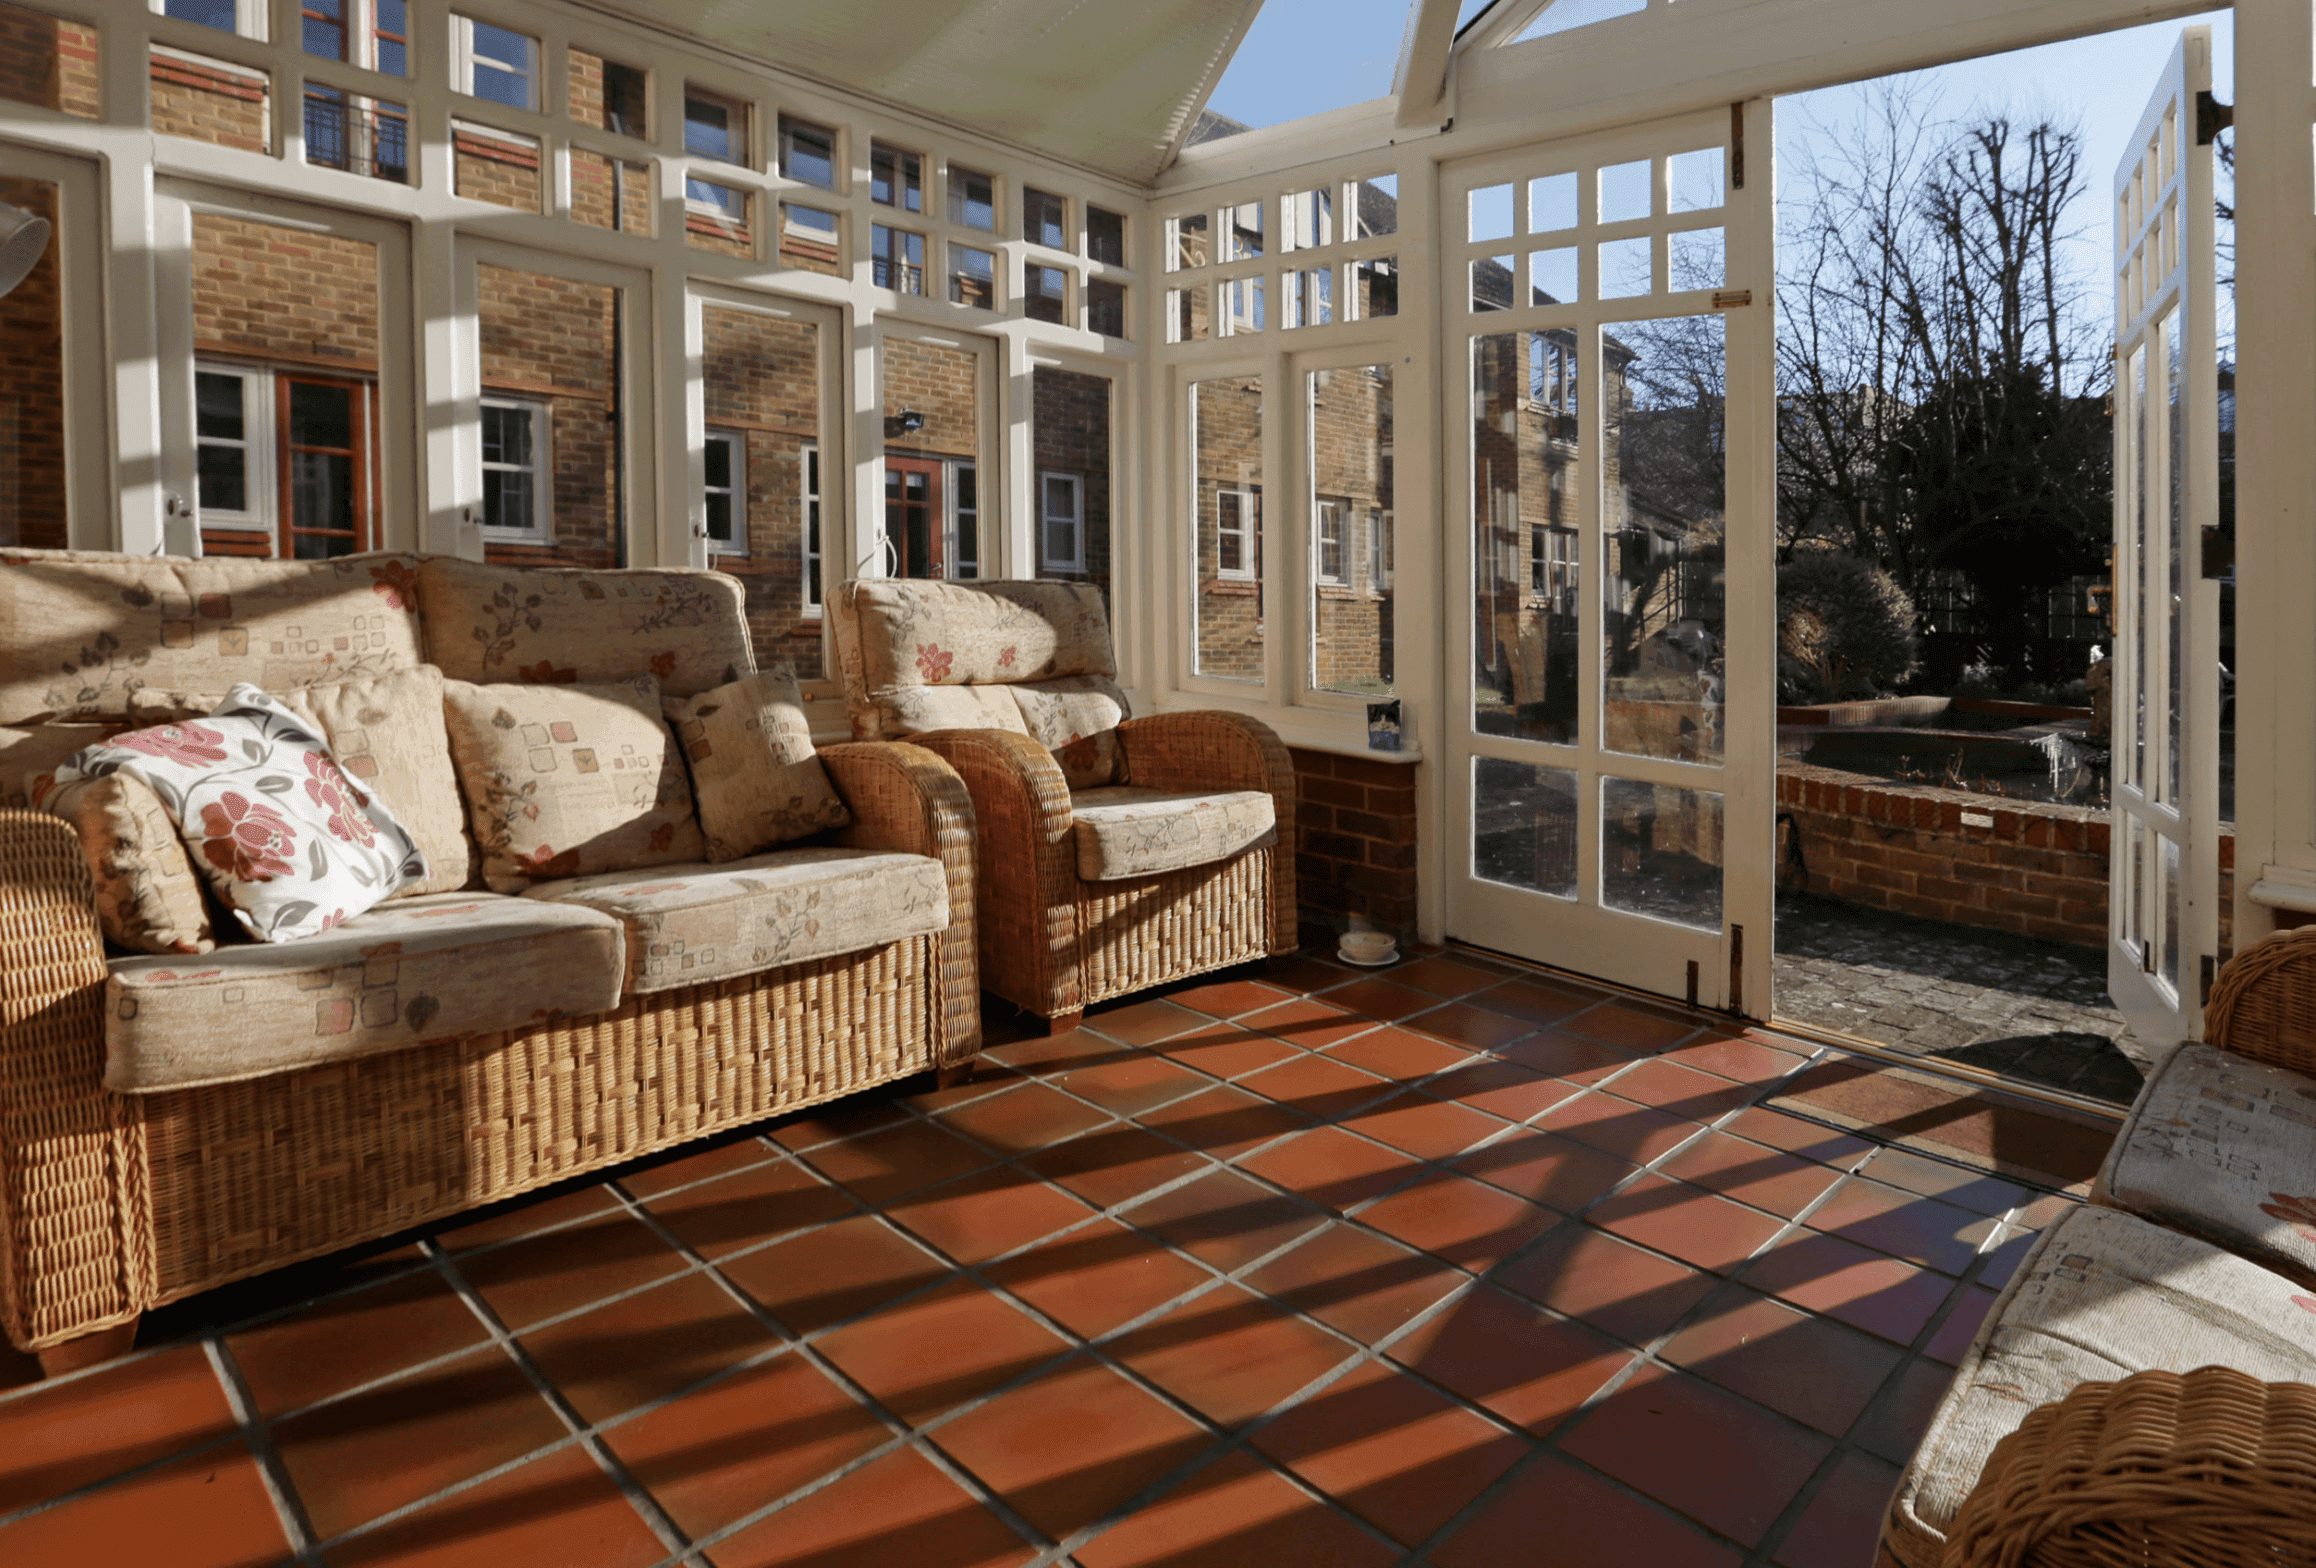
[1288,1266]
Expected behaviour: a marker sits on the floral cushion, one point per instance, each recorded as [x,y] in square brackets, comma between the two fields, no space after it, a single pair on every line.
[545,626]
[290,844]
[1123,831]
[2100,1296]
[387,732]
[448,966]
[687,925]
[1076,717]
[892,634]
[2225,1149]
[564,781]
[920,710]
[755,778]
[148,895]
[86,630]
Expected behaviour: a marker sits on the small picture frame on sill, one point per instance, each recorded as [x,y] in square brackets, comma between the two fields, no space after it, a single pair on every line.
[1383,725]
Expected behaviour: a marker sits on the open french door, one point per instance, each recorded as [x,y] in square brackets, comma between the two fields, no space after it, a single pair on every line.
[1612,742]
[2163,892]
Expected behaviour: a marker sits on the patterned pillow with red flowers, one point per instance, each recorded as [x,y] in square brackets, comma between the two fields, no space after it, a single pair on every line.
[290,844]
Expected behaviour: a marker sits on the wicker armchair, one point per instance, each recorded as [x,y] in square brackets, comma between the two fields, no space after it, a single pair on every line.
[2212,1468]
[1013,685]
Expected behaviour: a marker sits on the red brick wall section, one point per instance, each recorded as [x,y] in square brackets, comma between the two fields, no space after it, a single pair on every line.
[1355,839]
[32,502]
[2030,869]
[600,202]
[941,384]
[762,377]
[47,61]
[267,292]
[553,340]
[496,169]
[1230,612]
[1072,435]
[209,101]
[1350,427]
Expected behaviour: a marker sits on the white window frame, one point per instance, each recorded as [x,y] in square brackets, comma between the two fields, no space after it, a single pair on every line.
[1324,508]
[361,24]
[261,456]
[1249,532]
[808,481]
[1379,521]
[1075,518]
[735,442]
[464,58]
[542,469]
[956,516]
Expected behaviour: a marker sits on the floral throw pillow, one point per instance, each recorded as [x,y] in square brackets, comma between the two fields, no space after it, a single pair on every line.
[290,844]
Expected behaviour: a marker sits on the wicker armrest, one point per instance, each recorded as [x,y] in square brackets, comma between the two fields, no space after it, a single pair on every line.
[2263,1006]
[1209,749]
[906,798]
[78,1240]
[2212,1468]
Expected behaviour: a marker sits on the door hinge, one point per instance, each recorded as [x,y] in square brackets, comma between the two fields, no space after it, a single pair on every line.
[1692,982]
[1737,146]
[2210,973]
[1730,299]
[1737,970]
[2219,552]
[2211,117]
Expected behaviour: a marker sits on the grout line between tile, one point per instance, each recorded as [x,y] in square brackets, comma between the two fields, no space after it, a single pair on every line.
[296,1527]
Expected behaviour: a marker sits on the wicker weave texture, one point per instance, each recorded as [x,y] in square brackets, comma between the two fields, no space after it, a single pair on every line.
[249,1176]
[1219,751]
[2211,1468]
[2263,1006]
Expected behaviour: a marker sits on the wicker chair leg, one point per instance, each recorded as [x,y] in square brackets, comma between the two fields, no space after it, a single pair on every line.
[954,1075]
[103,1345]
[1063,1023]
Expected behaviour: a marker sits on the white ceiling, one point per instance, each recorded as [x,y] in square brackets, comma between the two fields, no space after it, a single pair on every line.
[1109,84]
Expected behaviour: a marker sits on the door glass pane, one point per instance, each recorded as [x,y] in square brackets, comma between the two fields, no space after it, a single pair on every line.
[1526,507]
[221,453]
[2175,463]
[1072,438]
[1226,442]
[1524,826]
[1351,464]
[2171,914]
[760,376]
[1664,605]
[2140,629]
[320,415]
[2135,904]
[539,331]
[1660,852]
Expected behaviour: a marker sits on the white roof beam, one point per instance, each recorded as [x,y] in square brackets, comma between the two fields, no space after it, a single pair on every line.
[1421,87]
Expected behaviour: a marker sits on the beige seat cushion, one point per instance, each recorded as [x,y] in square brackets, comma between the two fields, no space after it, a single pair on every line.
[755,778]
[1125,831]
[690,924]
[566,781]
[81,631]
[2102,1295]
[565,626]
[2224,1149]
[441,967]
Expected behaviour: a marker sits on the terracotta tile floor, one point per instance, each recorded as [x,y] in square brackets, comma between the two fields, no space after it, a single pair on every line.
[1460,1267]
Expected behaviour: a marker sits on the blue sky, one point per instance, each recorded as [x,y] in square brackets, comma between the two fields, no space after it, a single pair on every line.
[1305,56]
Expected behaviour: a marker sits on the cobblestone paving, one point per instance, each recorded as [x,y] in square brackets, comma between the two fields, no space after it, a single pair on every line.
[2031,1010]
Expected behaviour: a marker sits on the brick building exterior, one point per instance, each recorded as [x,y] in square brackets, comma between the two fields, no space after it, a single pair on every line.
[1351,525]
[210,101]
[1228,436]
[495,167]
[553,342]
[32,502]
[48,62]
[1071,426]
[761,380]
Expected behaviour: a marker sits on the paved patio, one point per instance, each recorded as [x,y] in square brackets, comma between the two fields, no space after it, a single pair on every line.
[2031,1010]
[1449,1266]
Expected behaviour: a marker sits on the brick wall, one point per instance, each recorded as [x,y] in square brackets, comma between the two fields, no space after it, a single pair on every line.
[288,295]
[553,340]
[726,235]
[762,376]
[1072,434]
[32,501]
[1351,415]
[1229,457]
[610,194]
[1355,841]
[940,384]
[2027,868]
[48,61]
[501,170]
[209,101]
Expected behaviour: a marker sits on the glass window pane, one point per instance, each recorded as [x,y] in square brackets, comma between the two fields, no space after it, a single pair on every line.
[1627,269]
[2175,503]
[538,330]
[972,199]
[223,475]
[1552,203]
[1188,243]
[1492,281]
[1352,619]
[1660,852]
[1245,226]
[1524,824]
[217,408]
[1374,289]
[1046,290]
[1106,308]
[972,277]
[1697,260]
[320,415]
[1625,192]
[762,374]
[1491,214]
[1377,213]
[1526,515]
[209,13]
[1044,219]
[1226,423]
[1695,179]
[1072,436]
[1105,236]
[708,129]
[1553,277]
[1663,572]
[808,153]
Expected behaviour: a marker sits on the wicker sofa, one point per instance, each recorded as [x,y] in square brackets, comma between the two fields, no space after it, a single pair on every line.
[121,1189]
[2144,1389]
[1117,853]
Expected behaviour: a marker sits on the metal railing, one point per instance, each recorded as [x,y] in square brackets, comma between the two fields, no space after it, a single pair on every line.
[359,137]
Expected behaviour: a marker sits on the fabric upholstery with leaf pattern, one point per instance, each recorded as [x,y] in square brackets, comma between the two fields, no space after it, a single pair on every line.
[894,636]
[290,844]
[567,626]
[754,776]
[148,895]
